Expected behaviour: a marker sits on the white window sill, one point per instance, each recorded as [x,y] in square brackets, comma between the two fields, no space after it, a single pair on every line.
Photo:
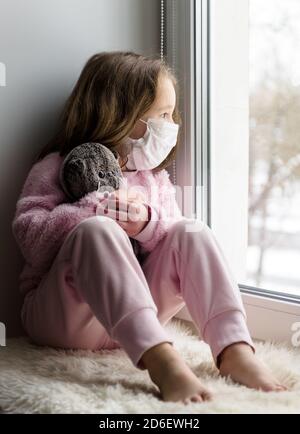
[268,319]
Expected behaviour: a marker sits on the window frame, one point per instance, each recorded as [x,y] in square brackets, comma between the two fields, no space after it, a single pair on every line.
[271,315]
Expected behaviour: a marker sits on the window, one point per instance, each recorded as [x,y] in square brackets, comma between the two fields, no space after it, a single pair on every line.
[227,147]
[273,254]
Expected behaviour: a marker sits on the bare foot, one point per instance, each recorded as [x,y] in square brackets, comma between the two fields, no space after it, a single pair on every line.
[173,376]
[240,363]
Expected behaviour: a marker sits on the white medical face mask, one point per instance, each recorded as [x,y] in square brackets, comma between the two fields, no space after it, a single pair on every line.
[152,149]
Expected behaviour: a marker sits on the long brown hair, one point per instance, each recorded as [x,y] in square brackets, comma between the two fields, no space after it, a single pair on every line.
[113,91]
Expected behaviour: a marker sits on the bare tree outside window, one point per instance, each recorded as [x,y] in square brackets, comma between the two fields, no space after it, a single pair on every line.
[273,255]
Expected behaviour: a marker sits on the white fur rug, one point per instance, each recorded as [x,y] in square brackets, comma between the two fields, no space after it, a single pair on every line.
[43,380]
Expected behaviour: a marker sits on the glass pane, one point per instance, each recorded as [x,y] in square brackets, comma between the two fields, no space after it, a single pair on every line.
[273,255]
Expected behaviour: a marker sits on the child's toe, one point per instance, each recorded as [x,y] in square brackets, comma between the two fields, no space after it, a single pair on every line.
[196,398]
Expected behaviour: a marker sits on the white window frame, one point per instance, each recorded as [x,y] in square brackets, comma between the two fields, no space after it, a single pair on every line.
[207,44]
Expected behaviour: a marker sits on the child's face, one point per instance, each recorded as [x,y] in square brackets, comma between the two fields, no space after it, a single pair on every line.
[162,108]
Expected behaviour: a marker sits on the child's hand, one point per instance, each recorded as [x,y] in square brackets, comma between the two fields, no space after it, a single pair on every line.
[127,208]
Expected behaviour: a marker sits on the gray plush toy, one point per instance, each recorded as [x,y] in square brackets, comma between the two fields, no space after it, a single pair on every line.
[89,167]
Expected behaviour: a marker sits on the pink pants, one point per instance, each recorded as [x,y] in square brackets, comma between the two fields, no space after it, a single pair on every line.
[97,295]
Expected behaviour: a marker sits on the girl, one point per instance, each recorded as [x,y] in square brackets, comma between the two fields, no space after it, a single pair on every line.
[84,286]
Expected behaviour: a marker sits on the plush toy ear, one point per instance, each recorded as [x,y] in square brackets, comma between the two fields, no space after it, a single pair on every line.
[115,154]
[77,165]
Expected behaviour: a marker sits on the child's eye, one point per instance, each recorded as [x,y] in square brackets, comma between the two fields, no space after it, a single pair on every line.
[165,115]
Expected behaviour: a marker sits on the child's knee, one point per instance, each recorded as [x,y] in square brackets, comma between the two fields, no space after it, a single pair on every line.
[189,229]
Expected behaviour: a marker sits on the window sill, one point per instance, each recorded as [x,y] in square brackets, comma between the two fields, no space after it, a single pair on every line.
[269,319]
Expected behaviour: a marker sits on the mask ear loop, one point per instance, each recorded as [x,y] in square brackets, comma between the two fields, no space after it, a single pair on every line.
[139,142]
[141,137]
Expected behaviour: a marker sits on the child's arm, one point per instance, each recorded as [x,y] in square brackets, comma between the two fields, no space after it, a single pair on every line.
[163,214]
[42,220]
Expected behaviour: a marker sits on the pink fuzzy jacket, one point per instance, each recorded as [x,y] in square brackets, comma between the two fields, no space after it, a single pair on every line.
[43,216]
